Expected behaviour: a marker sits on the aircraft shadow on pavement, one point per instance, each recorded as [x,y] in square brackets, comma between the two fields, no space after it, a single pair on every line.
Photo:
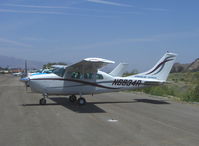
[91,107]
[88,108]
[63,101]
[151,101]
[111,102]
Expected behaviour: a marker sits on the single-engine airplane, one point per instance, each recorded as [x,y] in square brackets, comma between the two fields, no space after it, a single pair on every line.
[85,78]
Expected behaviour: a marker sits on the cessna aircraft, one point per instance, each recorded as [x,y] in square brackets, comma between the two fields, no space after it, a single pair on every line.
[85,78]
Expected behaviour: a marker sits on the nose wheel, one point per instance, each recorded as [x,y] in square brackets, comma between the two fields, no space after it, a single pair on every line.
[42,101]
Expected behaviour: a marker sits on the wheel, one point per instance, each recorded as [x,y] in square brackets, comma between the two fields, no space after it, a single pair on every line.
[81,101]
[72,98]
[42,101]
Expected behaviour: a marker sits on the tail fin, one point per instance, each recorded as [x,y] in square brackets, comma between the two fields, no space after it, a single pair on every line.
[162,69]
[119,70]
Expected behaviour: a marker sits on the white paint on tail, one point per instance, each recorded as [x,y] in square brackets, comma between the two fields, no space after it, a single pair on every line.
[161,70]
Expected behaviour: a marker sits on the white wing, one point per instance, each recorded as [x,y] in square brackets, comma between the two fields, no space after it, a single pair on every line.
[88,65]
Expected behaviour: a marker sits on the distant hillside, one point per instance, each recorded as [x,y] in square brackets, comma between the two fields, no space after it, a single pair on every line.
[12,62]
[194,66]
[191,67]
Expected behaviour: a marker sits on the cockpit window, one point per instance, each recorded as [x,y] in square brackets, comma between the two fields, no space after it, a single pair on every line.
[99,77]
[59,71]
[78,75]
[47,71]
[87,76]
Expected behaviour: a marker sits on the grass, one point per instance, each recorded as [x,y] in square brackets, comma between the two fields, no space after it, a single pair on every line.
[184,86]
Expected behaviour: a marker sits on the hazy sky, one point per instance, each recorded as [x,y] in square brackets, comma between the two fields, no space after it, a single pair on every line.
[138,32]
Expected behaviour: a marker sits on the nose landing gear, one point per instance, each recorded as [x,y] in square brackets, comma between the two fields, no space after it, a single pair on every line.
[42,101]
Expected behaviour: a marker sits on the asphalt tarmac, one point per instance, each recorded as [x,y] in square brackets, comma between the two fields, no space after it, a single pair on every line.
[112,119]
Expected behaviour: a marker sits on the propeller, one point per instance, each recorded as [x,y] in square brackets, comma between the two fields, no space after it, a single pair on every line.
[24,77]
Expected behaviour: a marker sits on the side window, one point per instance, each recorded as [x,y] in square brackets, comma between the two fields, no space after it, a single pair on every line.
[76,75]
[88,75]
[99,77]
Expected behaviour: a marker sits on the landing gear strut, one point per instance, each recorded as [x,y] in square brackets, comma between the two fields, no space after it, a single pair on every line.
[42,101]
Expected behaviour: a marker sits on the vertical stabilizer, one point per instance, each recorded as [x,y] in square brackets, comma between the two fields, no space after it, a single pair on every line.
[162,69]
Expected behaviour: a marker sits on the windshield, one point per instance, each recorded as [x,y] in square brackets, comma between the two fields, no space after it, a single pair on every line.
[59,71]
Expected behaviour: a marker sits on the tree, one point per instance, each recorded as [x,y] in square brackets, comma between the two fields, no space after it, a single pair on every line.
[49,65]
[196,91]
[133,72]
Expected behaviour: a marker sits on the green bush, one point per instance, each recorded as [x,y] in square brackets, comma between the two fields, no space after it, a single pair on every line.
[159,90]
[184,86]
[192,95]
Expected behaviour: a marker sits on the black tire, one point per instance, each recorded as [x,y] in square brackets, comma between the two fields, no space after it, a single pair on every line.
[72,98]
[42,101]
[81,101]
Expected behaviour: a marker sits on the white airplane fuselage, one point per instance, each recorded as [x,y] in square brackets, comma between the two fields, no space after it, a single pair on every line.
[53,84]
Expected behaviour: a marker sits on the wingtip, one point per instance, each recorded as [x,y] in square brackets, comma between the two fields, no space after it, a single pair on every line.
[170,53]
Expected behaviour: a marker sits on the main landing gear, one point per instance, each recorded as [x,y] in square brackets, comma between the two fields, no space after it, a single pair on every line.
[42,101]
[80,101]
[72,98]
